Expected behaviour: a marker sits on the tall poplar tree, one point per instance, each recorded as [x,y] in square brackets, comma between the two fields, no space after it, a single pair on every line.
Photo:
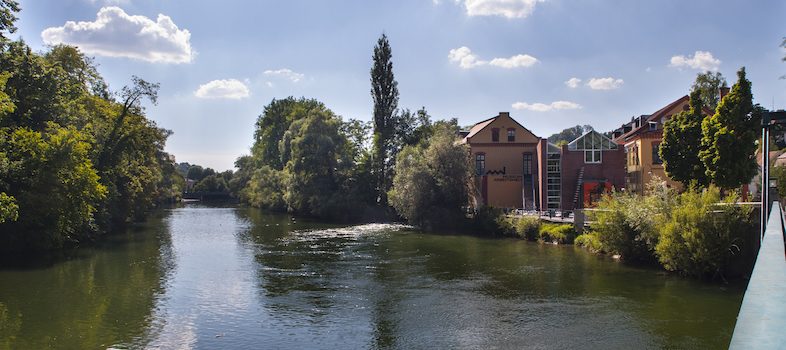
[729,137]
[682,143]
[384,91]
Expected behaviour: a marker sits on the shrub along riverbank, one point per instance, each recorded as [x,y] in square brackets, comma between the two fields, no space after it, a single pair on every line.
[697,233]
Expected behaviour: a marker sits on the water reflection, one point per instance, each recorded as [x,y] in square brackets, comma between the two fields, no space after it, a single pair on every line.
[103,296]
[232,278]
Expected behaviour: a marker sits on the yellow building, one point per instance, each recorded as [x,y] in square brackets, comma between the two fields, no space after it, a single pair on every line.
[509,163]
[641,138]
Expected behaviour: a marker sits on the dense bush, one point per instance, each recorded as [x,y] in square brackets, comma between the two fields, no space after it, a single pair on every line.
[703,233]
[492,221]
[589,241]
[557,233]
[528,227]
[624,227]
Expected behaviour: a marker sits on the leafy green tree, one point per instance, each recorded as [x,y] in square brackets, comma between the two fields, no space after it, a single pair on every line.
[431,185]
[172,183]
[241,177]
[32,87]
[9,210]
[195,173]
[384,92]
[8,10]
[569,134]
[212,183]
[708,85]
[316,164]
[729,137]
[55,185]
[682,143]
[273,123]
[266,189]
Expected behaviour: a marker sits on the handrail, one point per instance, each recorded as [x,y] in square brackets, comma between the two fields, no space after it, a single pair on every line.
[762,316]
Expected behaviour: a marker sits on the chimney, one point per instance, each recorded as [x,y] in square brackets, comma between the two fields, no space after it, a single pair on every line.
[723,92]
[504,114]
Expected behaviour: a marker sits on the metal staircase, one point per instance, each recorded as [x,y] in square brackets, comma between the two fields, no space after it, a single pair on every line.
[579,182]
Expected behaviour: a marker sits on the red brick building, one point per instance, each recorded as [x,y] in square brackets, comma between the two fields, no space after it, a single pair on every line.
[590,165]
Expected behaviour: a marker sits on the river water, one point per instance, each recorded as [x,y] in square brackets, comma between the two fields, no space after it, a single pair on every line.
[232,278]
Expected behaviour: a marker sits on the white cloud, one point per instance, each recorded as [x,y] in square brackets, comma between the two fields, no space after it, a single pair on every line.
[542,107]
[701,60]
[505,8]
[573,83]
[226,88]
[466,59]
[604,83]
[114,33]
[514,62]
[110,2]
[286,73]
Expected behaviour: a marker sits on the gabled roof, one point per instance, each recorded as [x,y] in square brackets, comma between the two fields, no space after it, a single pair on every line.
[606,143]
[481,125]
[657,117]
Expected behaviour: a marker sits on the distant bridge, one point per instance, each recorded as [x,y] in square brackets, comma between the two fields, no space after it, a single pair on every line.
[207,196]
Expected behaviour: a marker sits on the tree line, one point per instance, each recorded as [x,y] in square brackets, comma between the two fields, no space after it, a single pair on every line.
[307,160]
[76,159]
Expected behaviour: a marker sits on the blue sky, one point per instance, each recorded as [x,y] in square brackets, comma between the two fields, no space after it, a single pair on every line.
[552,63]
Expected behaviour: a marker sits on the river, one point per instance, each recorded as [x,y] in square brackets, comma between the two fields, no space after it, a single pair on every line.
[202,277]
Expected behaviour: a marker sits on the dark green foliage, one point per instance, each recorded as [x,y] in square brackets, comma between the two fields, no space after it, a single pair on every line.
[273,123]
[73,161]
[492,221]
[430,188]
[266,189]
[33,88]
[317,159]
[384,92]
[55,186]
[241,177]
[708,86]
[703,234]
[682,143]
[195,173]
[569,134]
[625,225]
[8,10]
[729,137]
[212,183]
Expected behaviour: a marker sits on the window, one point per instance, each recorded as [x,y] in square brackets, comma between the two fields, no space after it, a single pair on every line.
[480,163]
[494,135]
[592,156]
[655,154]
[527,164]
[511,135]
[653,126]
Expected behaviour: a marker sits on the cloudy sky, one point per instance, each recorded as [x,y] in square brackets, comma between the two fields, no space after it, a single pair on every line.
[551,63]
